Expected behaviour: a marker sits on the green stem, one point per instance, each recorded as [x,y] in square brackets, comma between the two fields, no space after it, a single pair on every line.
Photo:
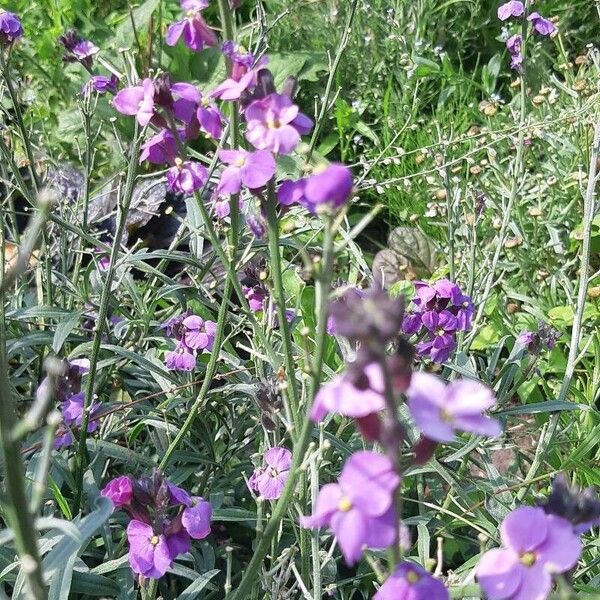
[277,275]
[16,505]
[301,445]
[124,204]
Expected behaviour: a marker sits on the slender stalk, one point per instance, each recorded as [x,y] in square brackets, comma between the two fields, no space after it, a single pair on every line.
[277,275]
[301,445]
[123,208]
[16,505]
[316,559]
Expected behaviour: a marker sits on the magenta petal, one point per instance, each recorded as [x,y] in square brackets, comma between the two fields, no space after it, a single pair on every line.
[468,397]
[326,505]
[259,168]
[128,101]
[279,458]
[381,531]
[174,32]
[291,192]
[231,181]
[499,573]
[196,519]
[271,486]
[524,529]
[536,584]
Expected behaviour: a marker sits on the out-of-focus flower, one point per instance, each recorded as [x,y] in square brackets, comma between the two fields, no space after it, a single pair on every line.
[196,33]
[10,27]
[410,581]
[72,412]
[342,396]
[137,101]
[348,290]
[186,177]
[241,59]
[119,490]
[275,123]
[180,359]
[327,188]
[439,410]
[536,546]
[251,169]
[544,338]
[270,479]
[359,508]
[513,8]
[513,45]
[540,24]
[100,84]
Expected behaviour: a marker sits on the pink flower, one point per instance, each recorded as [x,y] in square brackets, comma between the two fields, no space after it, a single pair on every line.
[270,479]
[119,490]
[209,117]
[540,24]
[341,396]
[199,334]
[159,149]
[536,545]
[180,359]
[411,582]
[251,169]
[196,33]
[439,410]
[275,123]
[149,554]
[359,508]
[138,101]
[186,177]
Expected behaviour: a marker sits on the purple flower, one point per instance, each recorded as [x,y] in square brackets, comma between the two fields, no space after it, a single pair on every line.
[119,490]
[186,177]
[72,412]
[149,554]
[513,8]
[210,117]
[411,323]
[159,149]
[100,84]
[77,49]
[196,33]
[270,479]
[137,101]
[359,508]
[513,45]
[10,27]
[196,518]
[256,224]
[241,59]
[536,545]
[441,342]
[180,359]
[540,24]
[199,334]
[251,169]
[275,123]
[410,581]
[256,296]
[341,396]
[84,50]
[183,101]
[439,410]
[349,290]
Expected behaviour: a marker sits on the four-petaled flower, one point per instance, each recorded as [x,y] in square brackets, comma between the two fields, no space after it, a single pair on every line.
[137,101]
[536,546]
[270,479]
[513,8]
[252,169]
[410,581]
[149,553]
[186,177]
[196,33]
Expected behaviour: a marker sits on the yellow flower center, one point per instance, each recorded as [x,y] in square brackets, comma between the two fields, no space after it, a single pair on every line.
[528,559]
[191,14]
[345,504]
[240,162]
[445,416]
[179,163]
[205,101]
[273,124]
[440,332]
[412,577]
[154,540]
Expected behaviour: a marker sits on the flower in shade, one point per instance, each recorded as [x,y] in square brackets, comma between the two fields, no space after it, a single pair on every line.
[513,8]
[410,581]
[251,169]
[10,27]
[328,187]
[196,33]
[186,177]
[540,24]
[439,410]
[100,84]
[513,45]
[270,479]
[137,101]
[536,545]
[342,396]
[348,290]
[544,338]
[241,59]
[119,490]
[275,123]
[180,359]
[149,554]
[77,49]
[72,412]
[359,508]
[159,149]
[199,334]
[440,342]
[209,117]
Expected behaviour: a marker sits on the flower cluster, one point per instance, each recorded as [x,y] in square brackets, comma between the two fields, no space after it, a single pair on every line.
[544,338]
[10,27]
[439,311]
[164,519]
[66,389]
[191,334]
[270,479]
[541,25]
